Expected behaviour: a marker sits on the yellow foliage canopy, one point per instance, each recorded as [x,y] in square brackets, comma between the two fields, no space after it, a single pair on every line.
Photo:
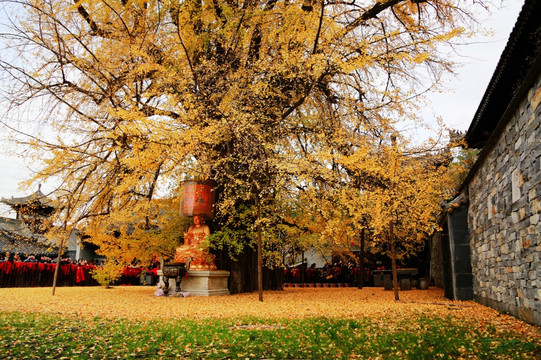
[263,97]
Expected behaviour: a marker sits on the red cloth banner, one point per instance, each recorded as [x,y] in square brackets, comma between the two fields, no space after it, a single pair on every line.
[23,274]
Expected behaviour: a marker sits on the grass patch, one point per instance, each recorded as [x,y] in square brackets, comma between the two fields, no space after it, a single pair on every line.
[42,336]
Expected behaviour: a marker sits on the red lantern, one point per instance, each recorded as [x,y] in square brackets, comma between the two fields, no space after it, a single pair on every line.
[198,199]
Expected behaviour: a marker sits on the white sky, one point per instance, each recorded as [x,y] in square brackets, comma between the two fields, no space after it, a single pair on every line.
[479,58]
[457,105]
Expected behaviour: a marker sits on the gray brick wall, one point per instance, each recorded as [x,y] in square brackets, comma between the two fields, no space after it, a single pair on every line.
[504,216]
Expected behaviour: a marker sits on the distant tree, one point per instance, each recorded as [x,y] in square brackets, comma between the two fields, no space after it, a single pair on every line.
[385,188]
[108,273]
[404,210]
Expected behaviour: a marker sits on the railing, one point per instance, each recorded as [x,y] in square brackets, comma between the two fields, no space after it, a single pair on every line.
[342,276]
[334,275]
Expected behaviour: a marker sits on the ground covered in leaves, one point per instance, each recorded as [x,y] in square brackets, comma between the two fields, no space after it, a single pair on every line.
[314,323]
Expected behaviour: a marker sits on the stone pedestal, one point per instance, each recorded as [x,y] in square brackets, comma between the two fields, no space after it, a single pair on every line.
[205,283]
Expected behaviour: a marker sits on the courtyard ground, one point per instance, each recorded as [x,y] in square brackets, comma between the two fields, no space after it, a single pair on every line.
[294,323]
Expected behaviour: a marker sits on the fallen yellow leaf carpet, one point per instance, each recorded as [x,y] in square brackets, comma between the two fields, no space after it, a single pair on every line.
[139,302]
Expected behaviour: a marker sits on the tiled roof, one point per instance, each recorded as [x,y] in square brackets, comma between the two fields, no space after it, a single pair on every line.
[519,58]
[15,236]
[13,243]
[37,196]
[18,228]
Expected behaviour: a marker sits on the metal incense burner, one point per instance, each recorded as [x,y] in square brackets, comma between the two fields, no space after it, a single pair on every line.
[174,270]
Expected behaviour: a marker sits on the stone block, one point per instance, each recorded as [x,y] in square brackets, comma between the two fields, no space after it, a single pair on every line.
[515,180]
[463,281]
[463,294]
[529,293]
[518,143]
[205,283]
[462,261]
[536,205]
[535,99]
[514,217]
[405,284]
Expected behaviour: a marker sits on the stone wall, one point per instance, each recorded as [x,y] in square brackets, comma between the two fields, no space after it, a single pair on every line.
[504,216]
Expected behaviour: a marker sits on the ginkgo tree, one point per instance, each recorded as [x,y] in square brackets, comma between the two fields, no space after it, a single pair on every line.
[141,94]
[403,211]
[392,192]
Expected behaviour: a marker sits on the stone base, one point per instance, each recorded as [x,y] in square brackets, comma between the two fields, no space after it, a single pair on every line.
[205,283]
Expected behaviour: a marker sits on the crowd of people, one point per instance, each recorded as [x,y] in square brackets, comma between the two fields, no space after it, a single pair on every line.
[40,258]
[21,270]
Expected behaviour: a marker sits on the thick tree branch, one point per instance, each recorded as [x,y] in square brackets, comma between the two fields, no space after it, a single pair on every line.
[372,13]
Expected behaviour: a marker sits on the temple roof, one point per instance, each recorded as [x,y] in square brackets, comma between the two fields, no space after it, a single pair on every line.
[38,196]
[15,236]
[24,246]
[17,227]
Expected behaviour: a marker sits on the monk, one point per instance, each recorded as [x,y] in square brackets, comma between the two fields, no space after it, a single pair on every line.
[193,239]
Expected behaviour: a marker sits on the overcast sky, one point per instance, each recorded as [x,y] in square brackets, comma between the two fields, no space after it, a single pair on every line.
[479,58]
[456,105]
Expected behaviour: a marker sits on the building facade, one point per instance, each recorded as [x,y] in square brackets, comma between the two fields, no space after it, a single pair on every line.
[489,248]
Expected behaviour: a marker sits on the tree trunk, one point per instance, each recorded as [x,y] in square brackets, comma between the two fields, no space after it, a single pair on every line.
[361,261]
[259,253]
[243,277]
[303,269]
[273,279]
[242,270]
[393,262]
[57,269]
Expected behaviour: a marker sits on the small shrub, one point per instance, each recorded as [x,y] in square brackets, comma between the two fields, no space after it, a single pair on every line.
[107,274]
